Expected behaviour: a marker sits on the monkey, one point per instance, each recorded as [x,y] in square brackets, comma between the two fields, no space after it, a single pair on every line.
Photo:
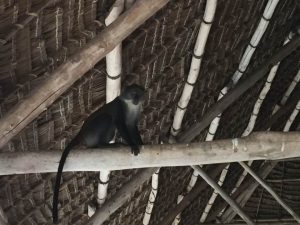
[99,128]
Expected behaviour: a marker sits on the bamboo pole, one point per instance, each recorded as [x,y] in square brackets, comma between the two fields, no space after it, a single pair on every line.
[271,191]
[257,146]
[281,112]
[214,171]
[237,91]
[242,194]
[224,195]
[75,67]
[113,87]
[121,197]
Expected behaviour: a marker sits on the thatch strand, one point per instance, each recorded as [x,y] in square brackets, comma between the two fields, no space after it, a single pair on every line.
[19,26]
[64,76]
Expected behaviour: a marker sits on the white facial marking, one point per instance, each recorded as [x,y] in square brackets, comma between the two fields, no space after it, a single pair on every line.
[132,110]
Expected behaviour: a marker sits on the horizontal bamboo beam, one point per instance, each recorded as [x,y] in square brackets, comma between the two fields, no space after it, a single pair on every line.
[75,67]
[237,91]
[257,146]
[121,196]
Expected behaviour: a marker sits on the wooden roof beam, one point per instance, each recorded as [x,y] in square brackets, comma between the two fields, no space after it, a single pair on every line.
[257,146]
[75,67]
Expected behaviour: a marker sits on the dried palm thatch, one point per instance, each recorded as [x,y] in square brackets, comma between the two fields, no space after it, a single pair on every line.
[37,36]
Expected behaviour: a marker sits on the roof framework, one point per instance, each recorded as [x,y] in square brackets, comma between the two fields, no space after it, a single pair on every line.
[51,78]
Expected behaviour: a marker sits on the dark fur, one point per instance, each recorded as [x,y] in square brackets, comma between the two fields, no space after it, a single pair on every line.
[99,129]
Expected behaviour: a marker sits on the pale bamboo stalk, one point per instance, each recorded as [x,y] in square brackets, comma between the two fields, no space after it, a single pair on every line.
[102,186]
[214,195]
[240,180]
[121,197]
[152,197]
[224,195]
[271,191]
[215,123]
[75,67]
[292,117]
[190,186]
[209,137]
[257,146]
[195,65]
[114,58]
[255,112]
[199,49]
[263,93]
[113,87]
[259,32]
[178,217]
[260,100]
[242,68]
[288,92]
[236,92]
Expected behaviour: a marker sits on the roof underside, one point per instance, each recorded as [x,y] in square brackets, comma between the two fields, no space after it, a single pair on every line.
[158,56]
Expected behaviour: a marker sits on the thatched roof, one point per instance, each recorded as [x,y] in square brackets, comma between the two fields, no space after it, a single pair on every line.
[37,36]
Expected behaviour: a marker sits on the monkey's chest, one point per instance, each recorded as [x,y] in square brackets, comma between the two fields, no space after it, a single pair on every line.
[132,113]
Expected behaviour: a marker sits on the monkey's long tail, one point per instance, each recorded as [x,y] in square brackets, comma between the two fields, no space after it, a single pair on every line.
[62,161]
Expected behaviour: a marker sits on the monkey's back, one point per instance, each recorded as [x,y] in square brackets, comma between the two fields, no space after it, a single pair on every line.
[99,128]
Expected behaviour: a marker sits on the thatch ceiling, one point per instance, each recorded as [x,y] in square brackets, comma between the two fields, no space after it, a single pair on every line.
[36,36]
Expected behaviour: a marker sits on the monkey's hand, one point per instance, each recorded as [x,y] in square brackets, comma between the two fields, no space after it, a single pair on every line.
[135,149]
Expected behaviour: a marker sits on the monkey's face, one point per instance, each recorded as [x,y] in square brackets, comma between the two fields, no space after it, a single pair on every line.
[134,93]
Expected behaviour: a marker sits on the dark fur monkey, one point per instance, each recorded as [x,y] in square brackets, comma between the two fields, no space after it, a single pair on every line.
[99,129]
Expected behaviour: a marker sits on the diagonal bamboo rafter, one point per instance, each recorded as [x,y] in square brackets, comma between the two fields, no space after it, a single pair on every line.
[237,91]
[271,191]
[224,195]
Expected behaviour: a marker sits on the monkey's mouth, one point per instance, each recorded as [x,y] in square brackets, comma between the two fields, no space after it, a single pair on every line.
[136,101]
